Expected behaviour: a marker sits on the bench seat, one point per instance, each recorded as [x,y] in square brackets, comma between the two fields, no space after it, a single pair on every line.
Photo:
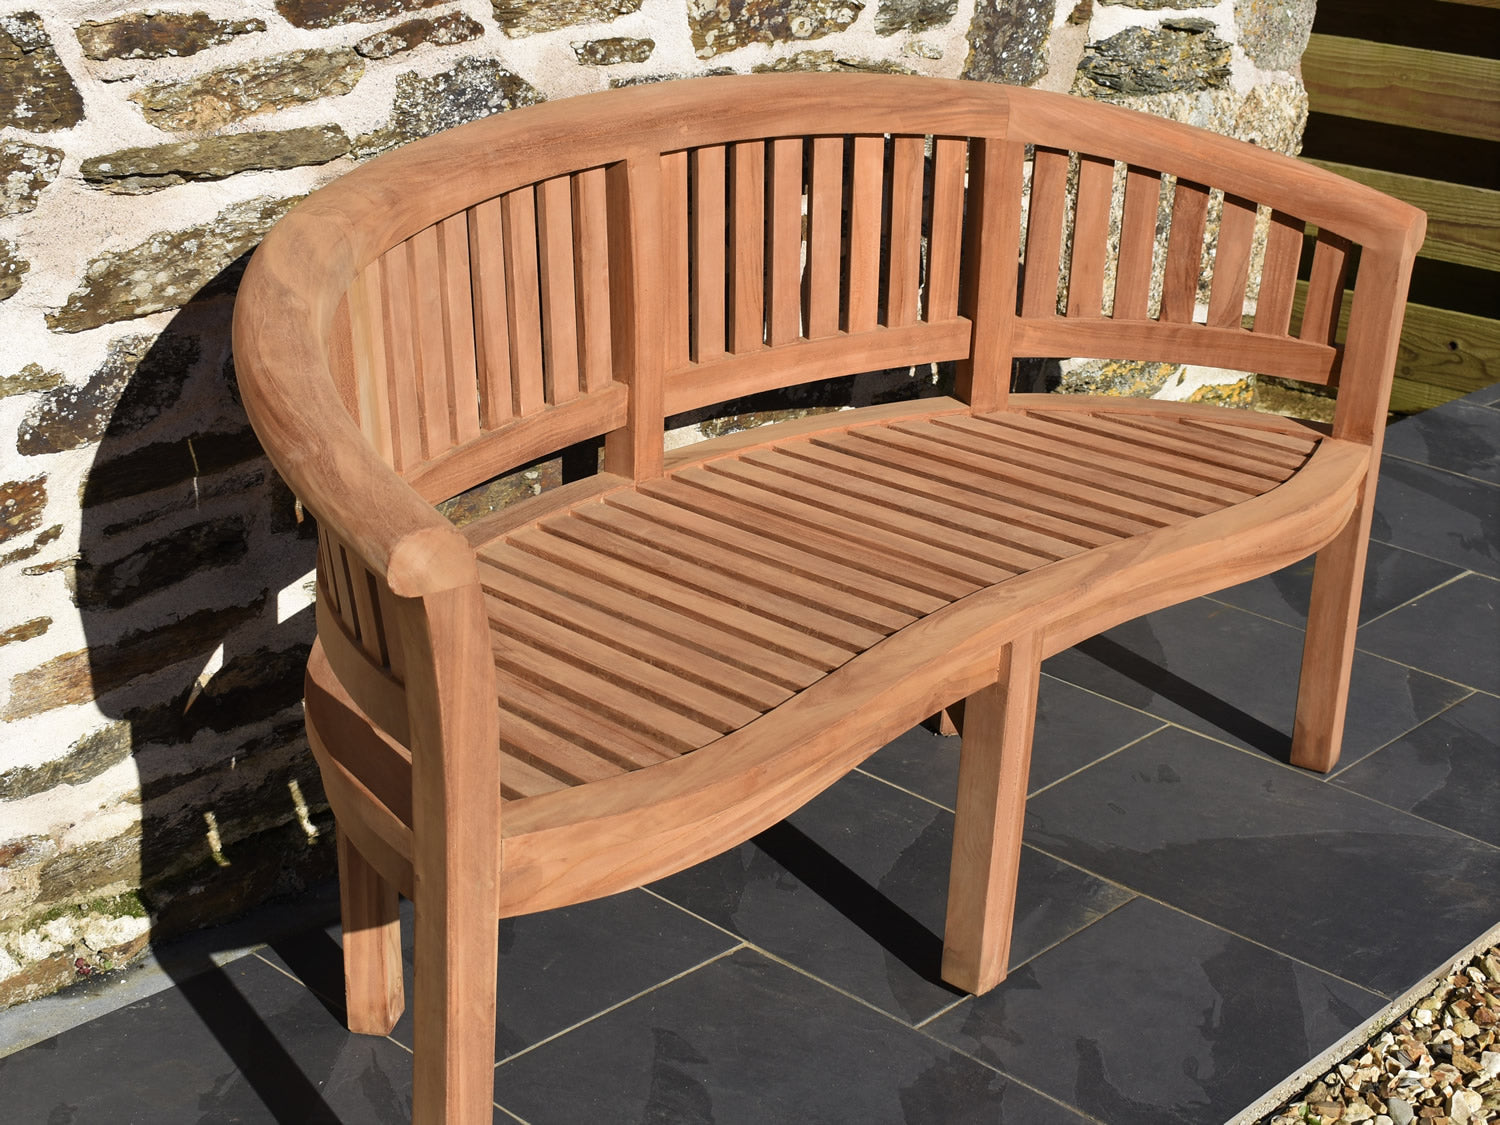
[645,635]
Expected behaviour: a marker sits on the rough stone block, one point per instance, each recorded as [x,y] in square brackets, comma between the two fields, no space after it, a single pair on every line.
[30,378]
[136,171]
[1008,41]
[12,268]
[827,61]
[141,376]
[235,92]
[21,504]
[249,688]
[724,25]
[1274,33]
[913,15]
[24,632]
[161,563]
[444,31]
[473,89]
[168,269]
[85,760]
[332,13]
[1182,54]
[25,170]
[36,92]
[50,535]
[162,464]
[520,17]
[606,52]
[158,35]
[84,674]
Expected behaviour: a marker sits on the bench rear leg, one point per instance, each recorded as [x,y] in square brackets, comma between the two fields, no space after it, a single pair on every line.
[1328,651]
[372,943]
[994,760]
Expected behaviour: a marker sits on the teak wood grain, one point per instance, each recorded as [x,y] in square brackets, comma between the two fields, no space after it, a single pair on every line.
[616,679]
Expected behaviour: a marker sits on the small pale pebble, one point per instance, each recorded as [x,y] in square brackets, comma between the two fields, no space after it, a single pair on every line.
[1382,1119]
[1401,1111]
[1489,1064]
[1358,1111]
[1463,1105]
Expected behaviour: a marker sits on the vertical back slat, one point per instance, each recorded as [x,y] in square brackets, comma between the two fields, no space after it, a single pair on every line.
[825,241]
[523,301]
[636,269]
[395,657]
[1044,230]
[1137,244]
[996,172]
[674,188]
[903,276]
[1179,287]
[866,204]
[458,326]
[344,584]
[945,230]
[1325,289]
[708,252]
[747,241]
[1226,300]
[784,277]
[327,576]
[1090,236]
[554,199]
[367,612]
[372,379]
[424,261]
[491,322]
[401,362]
[591,250]
[341,357]
[1278,275]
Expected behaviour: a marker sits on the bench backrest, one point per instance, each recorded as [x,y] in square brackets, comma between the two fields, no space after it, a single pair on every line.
[589,267]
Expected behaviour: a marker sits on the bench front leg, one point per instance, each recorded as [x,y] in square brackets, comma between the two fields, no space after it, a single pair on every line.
[1328,651]
[994,761]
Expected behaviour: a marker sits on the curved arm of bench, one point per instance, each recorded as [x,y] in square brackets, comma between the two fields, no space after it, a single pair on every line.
[281,357]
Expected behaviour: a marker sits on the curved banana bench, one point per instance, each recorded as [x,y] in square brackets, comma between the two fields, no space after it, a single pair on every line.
[632,672]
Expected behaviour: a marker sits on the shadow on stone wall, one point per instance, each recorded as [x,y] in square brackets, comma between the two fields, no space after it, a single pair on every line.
[187,580]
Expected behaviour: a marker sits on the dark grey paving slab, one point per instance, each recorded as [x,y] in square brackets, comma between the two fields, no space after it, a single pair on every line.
[1392,578]
[1150,1016]
[1453,631]
[1458,437]
[853,889]
[1435,513]
[1312,870]
[747,1041]
[243,1044]
[1073,728]
[1233,675]
[556,968]
[1484,396]
[1447,770]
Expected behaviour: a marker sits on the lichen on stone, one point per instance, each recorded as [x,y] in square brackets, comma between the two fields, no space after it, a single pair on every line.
[524,17]
[1274,33]
[168,269]
[136,171]
[913,15]
[607,52]
[21,504]
[723,25]
[25,171]
[32,377]
[1180,55]
[827,62]
[473,89]
[36,92]
[236,92]
[332,13]
[443,31]
[158,35]
[1008,41]
[12,268]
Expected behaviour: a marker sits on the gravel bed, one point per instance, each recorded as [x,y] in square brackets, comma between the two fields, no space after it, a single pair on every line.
[1439,1064]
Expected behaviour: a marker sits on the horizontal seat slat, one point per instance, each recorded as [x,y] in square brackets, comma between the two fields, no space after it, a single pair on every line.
[1271,457]
[1255,476]
[520,779]
[663,651]
[809,592]
[551,754]
[752,626]
[724,500]
[708,637]
[757,598]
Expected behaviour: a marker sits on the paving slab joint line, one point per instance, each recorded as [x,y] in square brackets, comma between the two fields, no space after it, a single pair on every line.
[1321,1064]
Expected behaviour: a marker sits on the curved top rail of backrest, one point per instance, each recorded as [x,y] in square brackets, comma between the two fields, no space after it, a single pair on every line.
[294,297]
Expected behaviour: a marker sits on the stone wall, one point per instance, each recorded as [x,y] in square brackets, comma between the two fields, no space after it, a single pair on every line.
[154,574]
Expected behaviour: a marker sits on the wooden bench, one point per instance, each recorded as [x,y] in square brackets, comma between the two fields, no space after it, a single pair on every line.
[625,675]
